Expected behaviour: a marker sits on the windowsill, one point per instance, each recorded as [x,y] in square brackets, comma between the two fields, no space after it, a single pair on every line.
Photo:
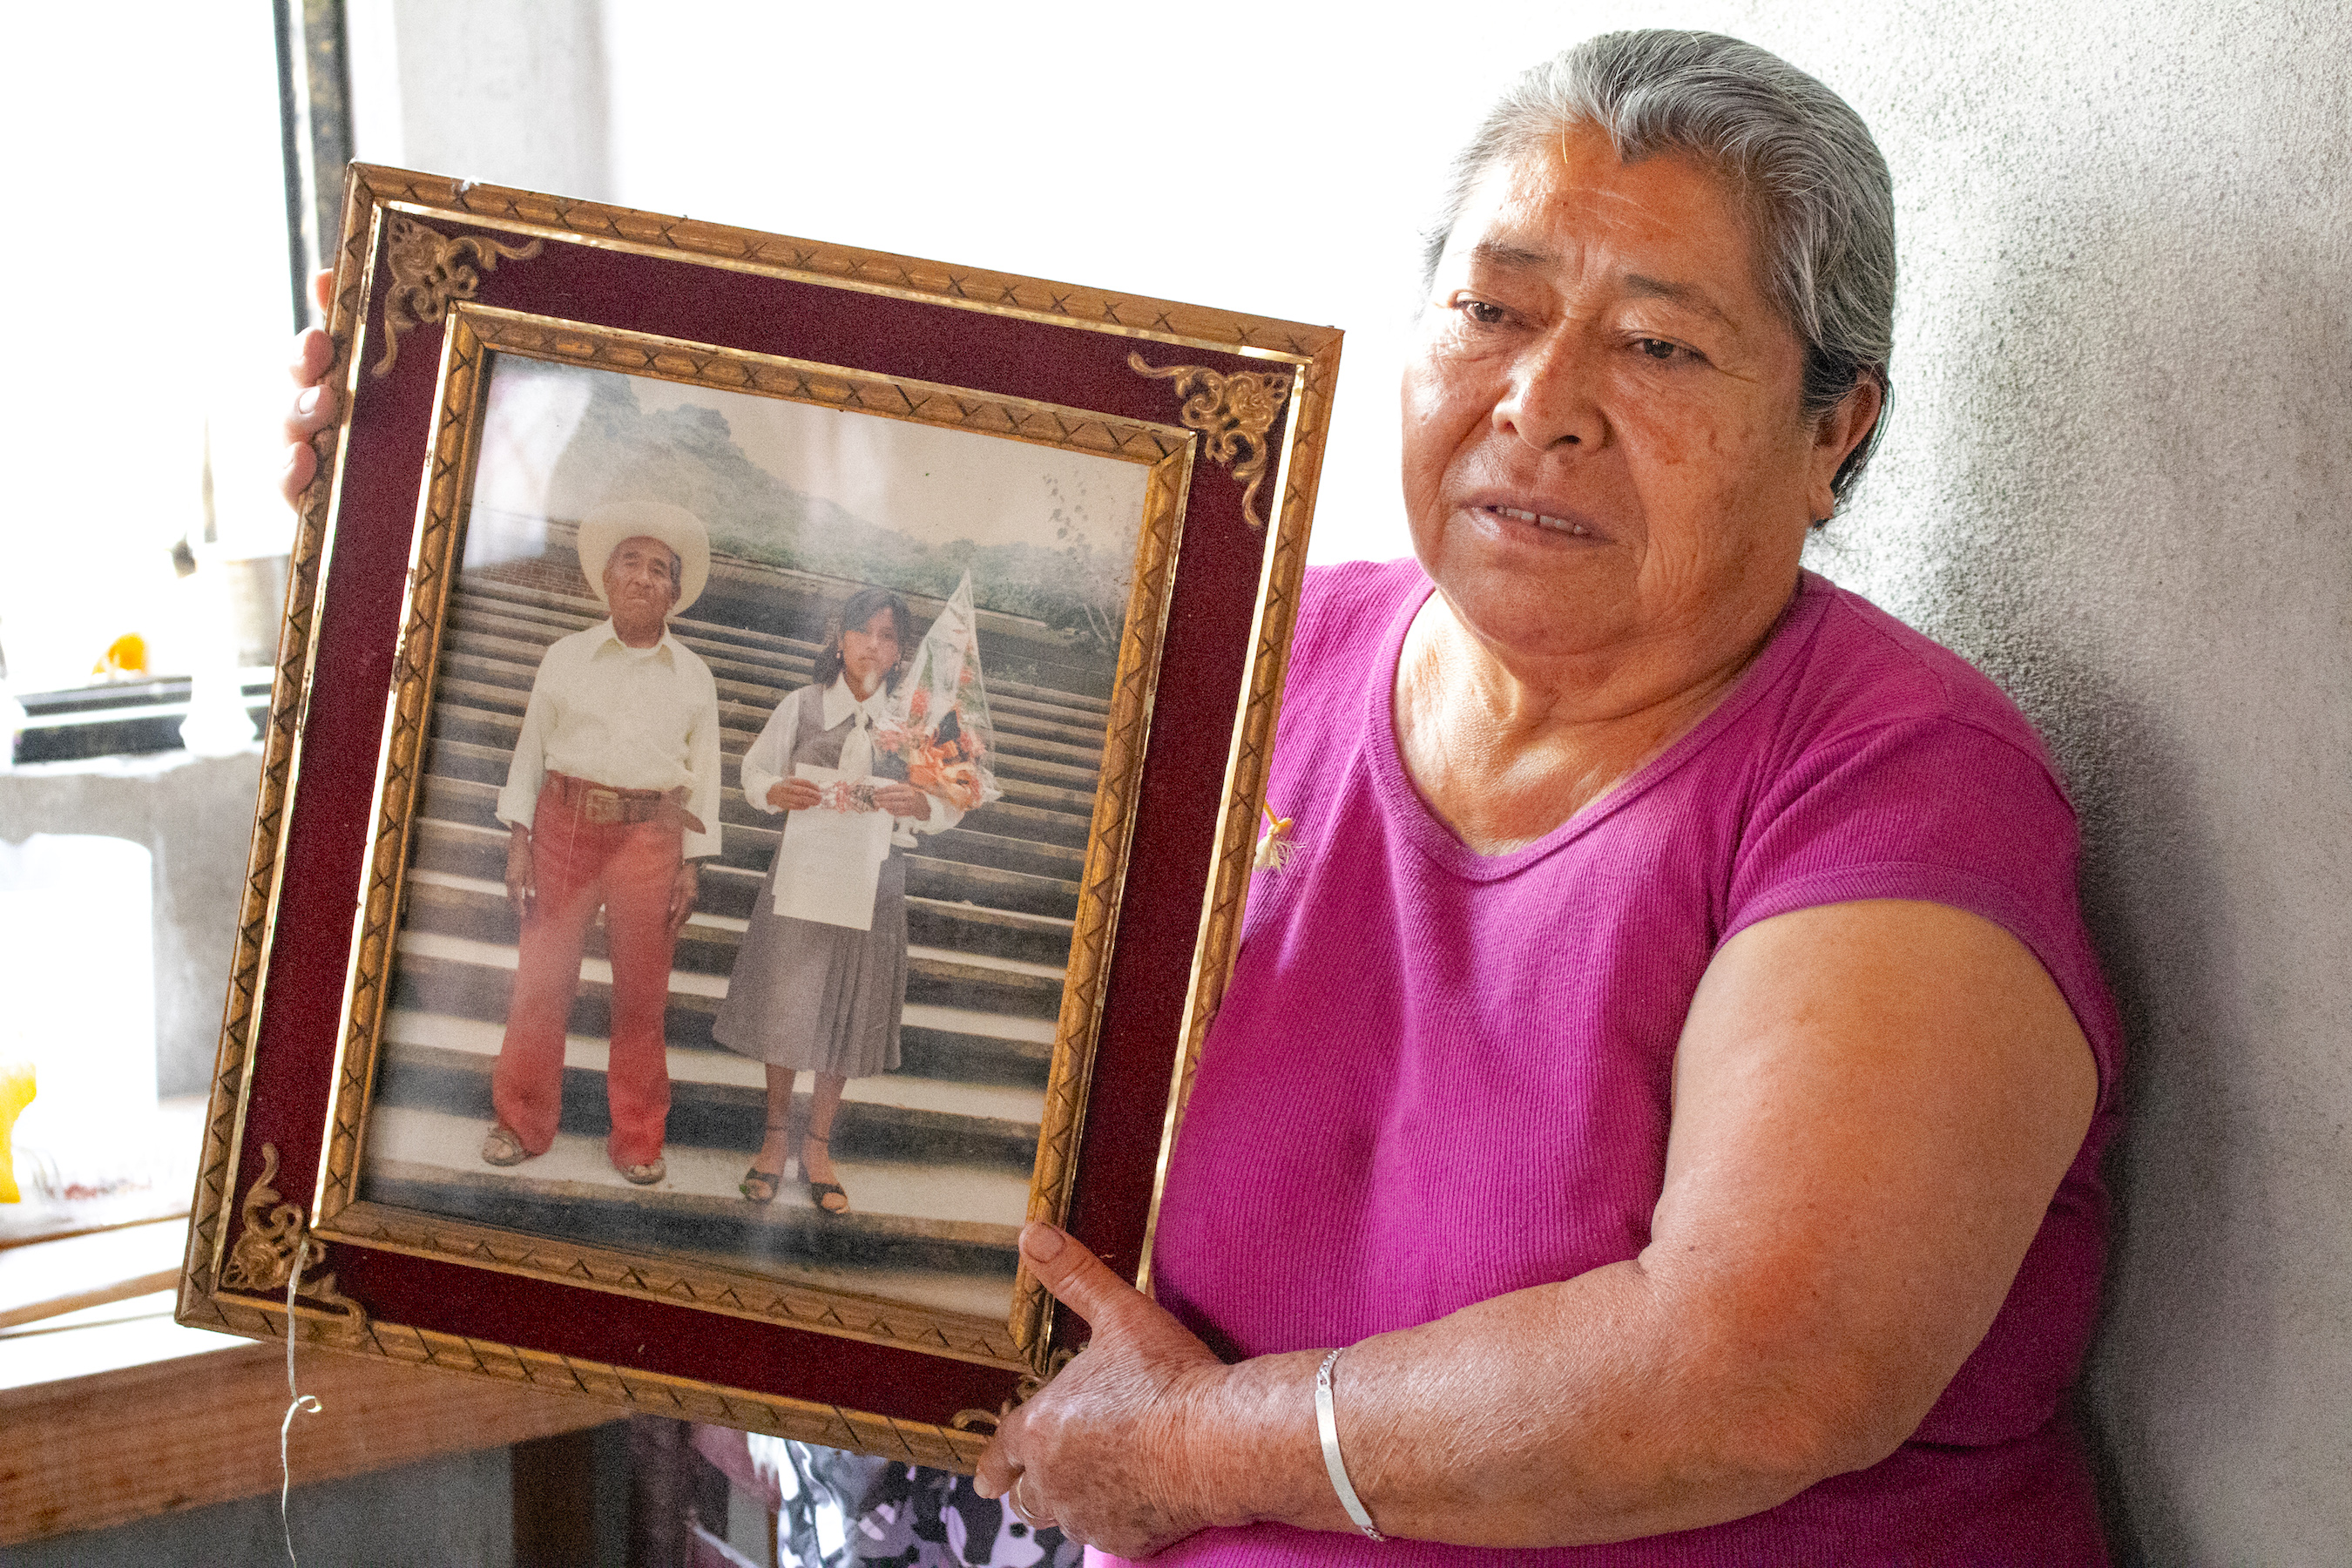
[120,764]
[124,1414]
[114,1412]
[35,1222]
[114,1337]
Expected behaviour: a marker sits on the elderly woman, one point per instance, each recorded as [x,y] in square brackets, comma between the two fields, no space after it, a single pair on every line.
[1656,1113]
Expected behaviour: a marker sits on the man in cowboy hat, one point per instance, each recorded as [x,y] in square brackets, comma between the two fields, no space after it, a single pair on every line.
[612,802]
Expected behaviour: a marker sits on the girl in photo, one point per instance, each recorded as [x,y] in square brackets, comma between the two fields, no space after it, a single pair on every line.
[807,995]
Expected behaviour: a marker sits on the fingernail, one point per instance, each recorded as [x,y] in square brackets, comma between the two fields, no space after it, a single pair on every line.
[307,401]
[1042,1241]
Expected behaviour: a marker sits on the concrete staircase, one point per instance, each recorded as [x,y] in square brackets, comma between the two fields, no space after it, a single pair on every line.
[936,1156]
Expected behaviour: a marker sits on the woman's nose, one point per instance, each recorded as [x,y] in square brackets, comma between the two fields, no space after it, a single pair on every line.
[1551,403]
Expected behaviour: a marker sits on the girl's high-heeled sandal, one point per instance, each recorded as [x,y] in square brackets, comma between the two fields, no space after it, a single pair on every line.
[760,1186]
[820,1190]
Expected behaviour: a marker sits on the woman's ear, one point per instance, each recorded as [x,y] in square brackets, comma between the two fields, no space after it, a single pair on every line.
[1841,428]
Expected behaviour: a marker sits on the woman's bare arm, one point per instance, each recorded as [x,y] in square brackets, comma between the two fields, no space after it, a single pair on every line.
[1874,1104]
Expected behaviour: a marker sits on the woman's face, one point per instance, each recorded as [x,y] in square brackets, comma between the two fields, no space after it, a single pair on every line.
[869,652]
[1603,446]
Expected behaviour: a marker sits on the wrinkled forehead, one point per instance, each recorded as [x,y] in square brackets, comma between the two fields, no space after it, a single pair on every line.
[1567,198]
[643,545]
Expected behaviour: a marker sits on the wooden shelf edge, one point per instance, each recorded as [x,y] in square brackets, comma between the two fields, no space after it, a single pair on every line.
[91,1452]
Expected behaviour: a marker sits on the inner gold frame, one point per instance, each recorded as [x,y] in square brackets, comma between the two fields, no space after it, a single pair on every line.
[474,333]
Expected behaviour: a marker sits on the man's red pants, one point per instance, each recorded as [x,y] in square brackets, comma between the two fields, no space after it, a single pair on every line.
[577,866]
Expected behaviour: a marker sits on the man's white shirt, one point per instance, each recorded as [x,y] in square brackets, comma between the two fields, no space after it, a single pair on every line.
[769,761]
[626,718]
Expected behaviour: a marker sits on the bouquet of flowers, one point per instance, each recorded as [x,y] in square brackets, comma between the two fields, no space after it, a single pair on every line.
[937,721]
[845,794]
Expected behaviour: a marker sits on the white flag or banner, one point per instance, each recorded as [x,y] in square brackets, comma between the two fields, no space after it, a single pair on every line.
[829,862]
[939,715]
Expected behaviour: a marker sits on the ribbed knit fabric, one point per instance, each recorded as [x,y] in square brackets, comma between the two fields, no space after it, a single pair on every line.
[1439,1076]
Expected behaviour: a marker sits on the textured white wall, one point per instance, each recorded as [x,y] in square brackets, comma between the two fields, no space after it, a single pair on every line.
[2117,479]
[2115,476]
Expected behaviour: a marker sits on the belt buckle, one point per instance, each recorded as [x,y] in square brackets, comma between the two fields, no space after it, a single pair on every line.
[600,806]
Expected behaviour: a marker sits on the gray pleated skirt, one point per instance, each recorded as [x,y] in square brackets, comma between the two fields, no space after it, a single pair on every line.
[816,997]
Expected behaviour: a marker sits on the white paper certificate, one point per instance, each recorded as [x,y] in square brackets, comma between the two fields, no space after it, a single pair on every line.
[828,862]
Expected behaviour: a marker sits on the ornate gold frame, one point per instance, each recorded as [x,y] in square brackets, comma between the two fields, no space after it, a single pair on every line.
[474,332]
[246,1299]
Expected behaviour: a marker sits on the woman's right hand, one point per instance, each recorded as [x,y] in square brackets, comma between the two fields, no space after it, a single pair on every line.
[793,794]
[314,404]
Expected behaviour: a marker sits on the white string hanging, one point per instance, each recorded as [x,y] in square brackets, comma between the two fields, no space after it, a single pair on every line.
[301,1404]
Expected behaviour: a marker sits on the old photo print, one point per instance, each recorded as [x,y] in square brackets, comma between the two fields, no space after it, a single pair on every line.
[833,1072]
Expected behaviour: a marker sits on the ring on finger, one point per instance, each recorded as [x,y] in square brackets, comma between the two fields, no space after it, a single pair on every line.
[1021,1507]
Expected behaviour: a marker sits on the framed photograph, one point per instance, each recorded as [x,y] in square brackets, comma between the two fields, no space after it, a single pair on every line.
[764,768]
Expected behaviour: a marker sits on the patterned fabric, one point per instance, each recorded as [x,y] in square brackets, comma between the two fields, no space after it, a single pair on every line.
[837,1509]
[932,1518]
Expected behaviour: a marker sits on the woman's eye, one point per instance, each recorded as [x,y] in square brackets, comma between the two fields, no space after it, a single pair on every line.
[1479,310]
[1656,348]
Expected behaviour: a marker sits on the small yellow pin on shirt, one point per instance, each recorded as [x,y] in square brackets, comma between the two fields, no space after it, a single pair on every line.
[1275,845]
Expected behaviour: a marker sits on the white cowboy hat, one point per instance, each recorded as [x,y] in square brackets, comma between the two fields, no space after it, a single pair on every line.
[602,532]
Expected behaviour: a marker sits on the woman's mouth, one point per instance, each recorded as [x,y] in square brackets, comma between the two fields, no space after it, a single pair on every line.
[1551,525]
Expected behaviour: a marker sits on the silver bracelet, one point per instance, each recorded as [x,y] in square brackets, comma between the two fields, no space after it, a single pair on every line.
[1327,1426]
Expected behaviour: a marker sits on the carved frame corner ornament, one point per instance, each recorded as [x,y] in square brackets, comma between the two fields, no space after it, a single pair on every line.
[271,1239]
[429,271]
[1234,412]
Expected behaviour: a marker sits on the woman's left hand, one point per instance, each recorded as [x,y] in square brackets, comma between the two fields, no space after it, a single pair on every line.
[1101,1451]
[902,800]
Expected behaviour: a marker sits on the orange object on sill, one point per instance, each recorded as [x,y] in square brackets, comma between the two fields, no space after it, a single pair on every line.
[126,655]
[16,1091]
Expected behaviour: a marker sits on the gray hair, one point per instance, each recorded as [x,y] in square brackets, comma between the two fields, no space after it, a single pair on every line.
[1796,152]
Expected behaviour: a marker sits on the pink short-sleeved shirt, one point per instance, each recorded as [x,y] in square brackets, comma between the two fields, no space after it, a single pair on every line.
[1439,1076]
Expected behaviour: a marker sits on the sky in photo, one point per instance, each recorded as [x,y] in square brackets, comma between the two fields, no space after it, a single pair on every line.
[933,484]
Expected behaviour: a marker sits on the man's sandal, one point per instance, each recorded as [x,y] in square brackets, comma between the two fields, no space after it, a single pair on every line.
[502,1147]
[820,1190]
